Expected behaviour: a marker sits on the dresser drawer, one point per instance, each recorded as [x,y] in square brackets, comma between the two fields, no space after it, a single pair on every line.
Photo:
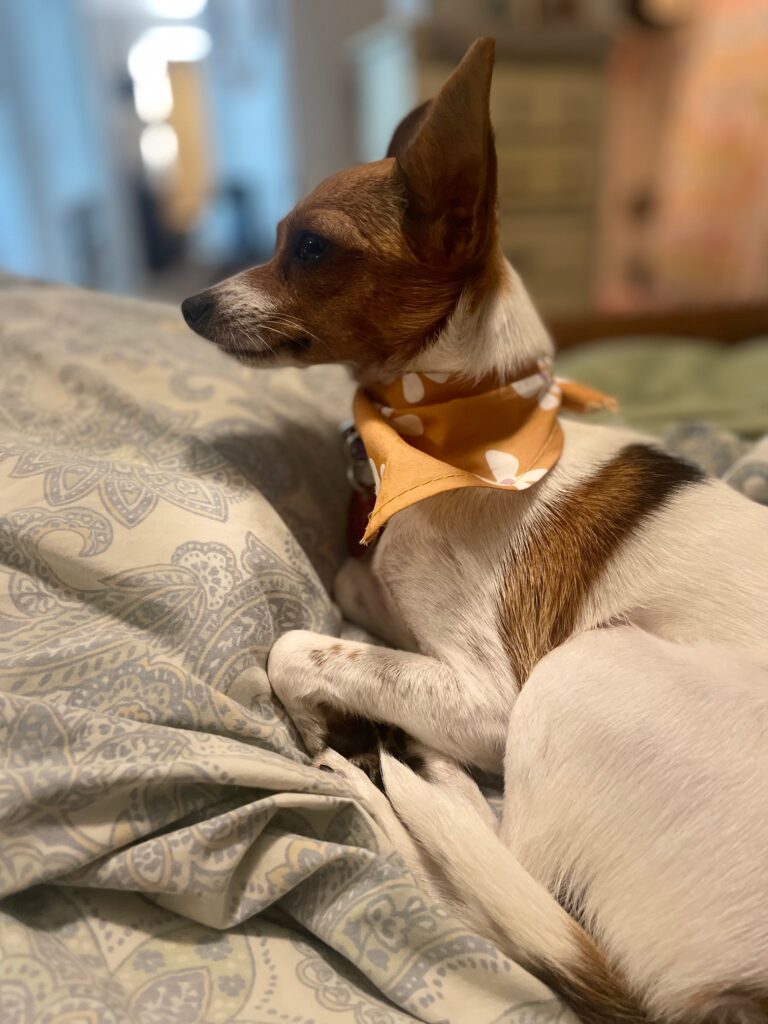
[545,177]
[532,102]
[553,256]
[546,102]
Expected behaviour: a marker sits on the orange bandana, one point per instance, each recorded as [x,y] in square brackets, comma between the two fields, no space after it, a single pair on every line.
[429,432]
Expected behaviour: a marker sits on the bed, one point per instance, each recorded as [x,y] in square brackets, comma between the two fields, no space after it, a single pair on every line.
[167,853]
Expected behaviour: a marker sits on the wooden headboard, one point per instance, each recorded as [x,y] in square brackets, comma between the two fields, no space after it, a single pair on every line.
[728,324]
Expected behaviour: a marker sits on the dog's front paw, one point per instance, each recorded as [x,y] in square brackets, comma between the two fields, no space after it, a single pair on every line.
[293,678]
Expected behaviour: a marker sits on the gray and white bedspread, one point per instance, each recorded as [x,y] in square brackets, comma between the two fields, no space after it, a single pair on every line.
[167,854]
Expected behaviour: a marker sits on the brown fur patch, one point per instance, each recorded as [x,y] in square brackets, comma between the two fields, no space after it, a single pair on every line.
[321,655]
[547,577]
[371,301]
[447,161]
[406,130]
[597,994]
[742,1004]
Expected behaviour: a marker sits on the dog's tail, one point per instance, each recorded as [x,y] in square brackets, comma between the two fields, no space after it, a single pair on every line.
[500,900]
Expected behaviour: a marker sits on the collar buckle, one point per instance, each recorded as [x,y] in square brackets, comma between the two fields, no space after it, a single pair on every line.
[359,473]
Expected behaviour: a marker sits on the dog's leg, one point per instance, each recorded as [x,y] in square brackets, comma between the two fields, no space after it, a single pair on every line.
[310,672]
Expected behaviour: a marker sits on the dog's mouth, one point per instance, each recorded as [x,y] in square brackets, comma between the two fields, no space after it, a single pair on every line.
[244,351]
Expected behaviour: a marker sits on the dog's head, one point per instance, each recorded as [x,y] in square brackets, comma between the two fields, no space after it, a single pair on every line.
[369,268]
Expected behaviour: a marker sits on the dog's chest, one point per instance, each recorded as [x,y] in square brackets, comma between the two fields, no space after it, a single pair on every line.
[441,563]
[447,564]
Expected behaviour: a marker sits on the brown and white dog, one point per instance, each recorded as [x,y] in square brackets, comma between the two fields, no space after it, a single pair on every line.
[601,635]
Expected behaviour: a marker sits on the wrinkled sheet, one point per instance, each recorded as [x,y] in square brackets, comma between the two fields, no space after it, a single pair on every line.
[167,853]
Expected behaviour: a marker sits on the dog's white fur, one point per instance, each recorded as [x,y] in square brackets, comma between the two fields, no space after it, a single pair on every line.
[635,764]
[505,330]
[618,779]
[255,325]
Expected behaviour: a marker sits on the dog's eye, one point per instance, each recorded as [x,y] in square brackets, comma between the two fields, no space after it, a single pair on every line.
[310,247]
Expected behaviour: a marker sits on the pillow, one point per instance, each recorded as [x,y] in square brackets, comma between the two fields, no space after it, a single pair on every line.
[159,500]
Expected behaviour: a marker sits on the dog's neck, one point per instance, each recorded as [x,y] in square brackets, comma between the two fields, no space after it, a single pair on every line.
[495,335]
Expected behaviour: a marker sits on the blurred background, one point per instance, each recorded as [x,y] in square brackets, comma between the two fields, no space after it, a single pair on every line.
[150,146]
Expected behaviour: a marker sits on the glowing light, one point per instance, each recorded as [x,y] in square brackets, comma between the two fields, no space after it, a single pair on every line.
[159,147]
[153,98]
[180,9]
[150,55]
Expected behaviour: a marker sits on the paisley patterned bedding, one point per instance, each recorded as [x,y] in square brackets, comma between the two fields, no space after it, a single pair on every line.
[167,854]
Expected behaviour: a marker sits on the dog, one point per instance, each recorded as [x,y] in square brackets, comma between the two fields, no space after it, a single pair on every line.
[600,634]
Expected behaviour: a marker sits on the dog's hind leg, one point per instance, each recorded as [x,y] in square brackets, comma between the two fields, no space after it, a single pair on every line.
[634,792]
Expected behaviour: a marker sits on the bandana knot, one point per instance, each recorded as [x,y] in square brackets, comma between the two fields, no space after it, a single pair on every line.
[426,433]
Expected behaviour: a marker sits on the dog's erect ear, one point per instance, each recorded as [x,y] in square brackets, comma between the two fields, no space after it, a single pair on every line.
[407,128]
[446,160]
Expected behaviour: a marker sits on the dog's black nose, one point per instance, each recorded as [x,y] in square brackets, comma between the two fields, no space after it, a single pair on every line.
[197,309]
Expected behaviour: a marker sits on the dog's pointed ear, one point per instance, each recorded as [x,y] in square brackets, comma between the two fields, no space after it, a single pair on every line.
[407,128]
[446,161]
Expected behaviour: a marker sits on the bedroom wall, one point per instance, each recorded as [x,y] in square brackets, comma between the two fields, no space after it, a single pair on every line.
[320,85]
[661,202]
